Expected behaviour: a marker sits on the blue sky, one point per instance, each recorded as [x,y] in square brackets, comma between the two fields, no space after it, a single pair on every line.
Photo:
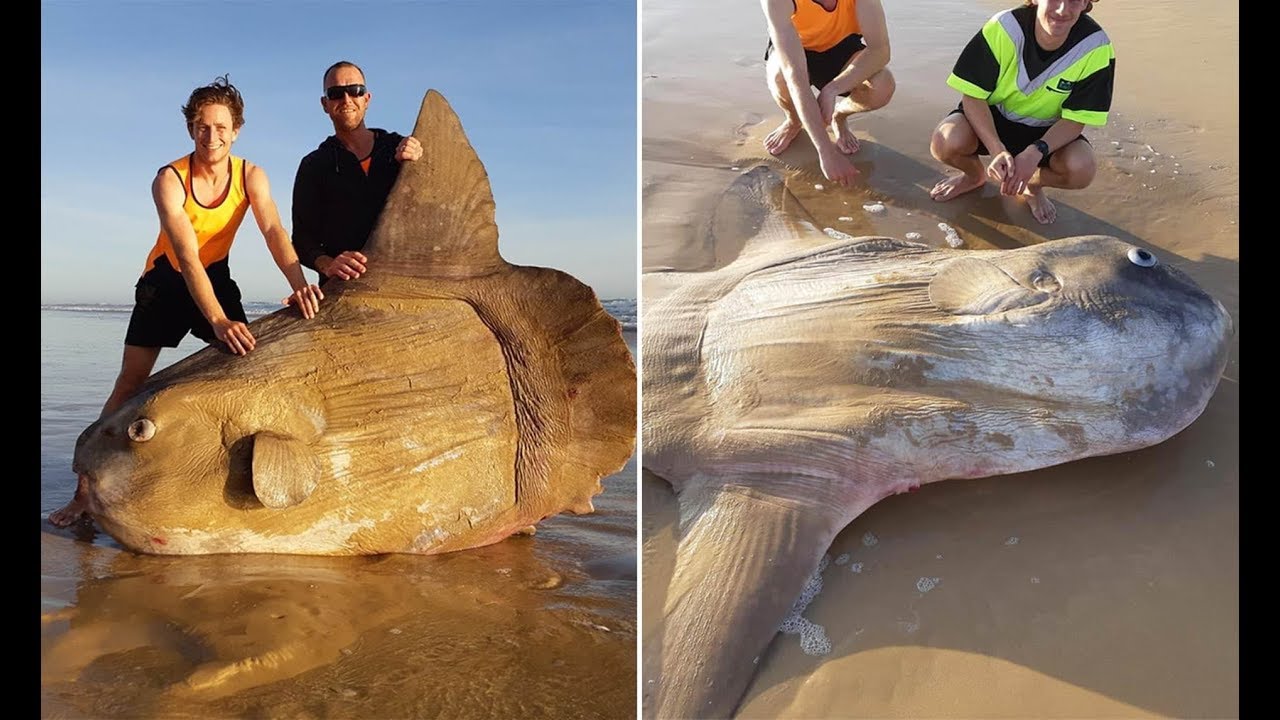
[545,89]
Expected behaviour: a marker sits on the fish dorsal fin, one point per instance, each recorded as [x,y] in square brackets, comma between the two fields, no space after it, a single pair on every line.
[439,217]
[758,214]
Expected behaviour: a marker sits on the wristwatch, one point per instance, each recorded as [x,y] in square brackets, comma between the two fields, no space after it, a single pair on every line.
[1043,147]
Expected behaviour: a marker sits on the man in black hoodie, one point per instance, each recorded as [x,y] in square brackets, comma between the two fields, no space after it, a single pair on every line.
[342,185]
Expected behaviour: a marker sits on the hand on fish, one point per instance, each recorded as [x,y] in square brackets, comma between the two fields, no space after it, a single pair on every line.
[235,334]
[347,266]
[307,299]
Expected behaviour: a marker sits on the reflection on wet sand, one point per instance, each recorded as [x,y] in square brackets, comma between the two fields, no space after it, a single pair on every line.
[528,627]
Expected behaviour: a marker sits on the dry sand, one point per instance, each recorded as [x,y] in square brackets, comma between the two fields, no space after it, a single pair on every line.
[1102,588]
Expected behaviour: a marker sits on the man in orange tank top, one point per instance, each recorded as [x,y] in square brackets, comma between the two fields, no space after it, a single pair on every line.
[840,47]
[186,285]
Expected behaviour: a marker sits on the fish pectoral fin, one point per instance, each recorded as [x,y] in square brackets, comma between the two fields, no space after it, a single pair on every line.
[970,286]
[742,560]
[285,470]
[758,214]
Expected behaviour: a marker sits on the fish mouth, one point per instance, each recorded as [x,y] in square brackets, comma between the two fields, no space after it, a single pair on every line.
[89,485]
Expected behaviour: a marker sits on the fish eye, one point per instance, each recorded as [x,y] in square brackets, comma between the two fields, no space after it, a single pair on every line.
[1141,257]
[1044,281]
[141,430]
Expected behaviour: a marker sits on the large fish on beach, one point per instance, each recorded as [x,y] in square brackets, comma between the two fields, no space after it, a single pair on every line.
[809,376]
[445,400]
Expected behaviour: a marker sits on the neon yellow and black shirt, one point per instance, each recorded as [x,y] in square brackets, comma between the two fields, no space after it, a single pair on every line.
[1005,66]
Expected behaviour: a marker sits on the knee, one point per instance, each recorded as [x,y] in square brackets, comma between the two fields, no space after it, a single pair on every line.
[945,141]
[1080,169]
[882,91]
[938,144]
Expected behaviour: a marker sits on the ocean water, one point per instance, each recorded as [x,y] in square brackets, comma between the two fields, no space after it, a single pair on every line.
[532,627]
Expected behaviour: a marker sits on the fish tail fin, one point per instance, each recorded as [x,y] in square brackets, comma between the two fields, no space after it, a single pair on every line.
[574,383]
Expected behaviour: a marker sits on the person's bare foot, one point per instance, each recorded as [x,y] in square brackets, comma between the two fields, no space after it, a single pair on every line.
[780,139]
[68,514]
[73,511]
[1042,208]
[956,185]
[845,139]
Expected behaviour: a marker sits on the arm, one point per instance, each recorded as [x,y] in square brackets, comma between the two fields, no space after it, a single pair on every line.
[1003,166]
[307,242]
[306,297]
[978,113]
[868,62]
[835,166]
[974,76]
[169,195]
[1025,164]
[307,236]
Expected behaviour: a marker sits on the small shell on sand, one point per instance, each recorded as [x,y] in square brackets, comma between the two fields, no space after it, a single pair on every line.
[925,584]
[836,234]
[914,236]
[846,218]
[817,186]
[874,208]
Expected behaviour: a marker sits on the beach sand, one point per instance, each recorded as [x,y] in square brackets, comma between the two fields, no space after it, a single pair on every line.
[1103,588]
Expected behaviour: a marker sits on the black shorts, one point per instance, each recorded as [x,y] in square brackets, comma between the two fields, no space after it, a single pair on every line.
[164,312]
[1015,136]
[826,65]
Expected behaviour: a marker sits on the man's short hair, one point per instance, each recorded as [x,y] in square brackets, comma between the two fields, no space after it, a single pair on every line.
[219,92]
[340,64]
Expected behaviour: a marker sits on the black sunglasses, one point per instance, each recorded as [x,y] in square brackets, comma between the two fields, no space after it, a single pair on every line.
[337,91]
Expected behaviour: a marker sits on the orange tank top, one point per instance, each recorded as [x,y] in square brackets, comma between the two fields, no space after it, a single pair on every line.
[215,226]
[820,30]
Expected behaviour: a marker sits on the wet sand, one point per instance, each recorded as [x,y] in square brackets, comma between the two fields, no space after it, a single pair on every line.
[1107,587]
[531,627]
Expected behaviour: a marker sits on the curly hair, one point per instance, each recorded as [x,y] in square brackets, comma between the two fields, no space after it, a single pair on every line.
[219,92]
[1087,8]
